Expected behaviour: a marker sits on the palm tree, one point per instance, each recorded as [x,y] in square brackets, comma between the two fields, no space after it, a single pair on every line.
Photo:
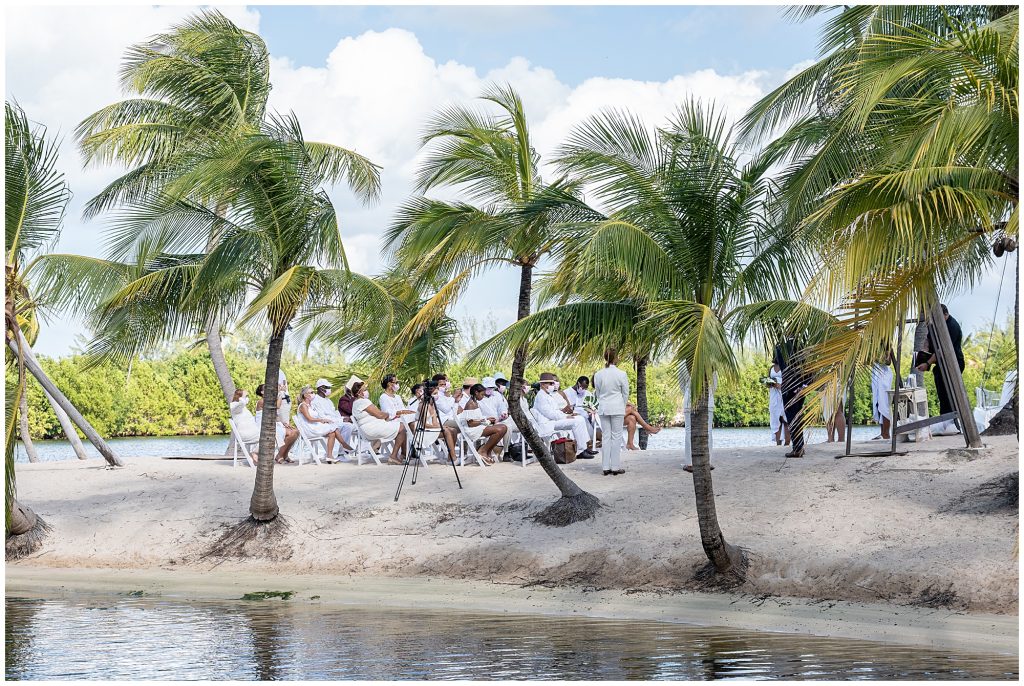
[376,313]
[35,199]
[694,240]
[277,251]
[903,162]
[491,160]
[204,81]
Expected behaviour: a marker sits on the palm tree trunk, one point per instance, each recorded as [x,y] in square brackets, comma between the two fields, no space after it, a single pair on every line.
[220,363]
[575,504]
[724,556]
[68,427]
[641,395]
[26,438]
[263,504]
[33,367]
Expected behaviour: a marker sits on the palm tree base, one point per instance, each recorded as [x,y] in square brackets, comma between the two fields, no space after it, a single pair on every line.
[22,545]
[1005,422]
[252,538]
[712,578]
[569,510]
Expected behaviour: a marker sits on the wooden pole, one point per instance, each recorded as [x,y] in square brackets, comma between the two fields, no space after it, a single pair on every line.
[946,358]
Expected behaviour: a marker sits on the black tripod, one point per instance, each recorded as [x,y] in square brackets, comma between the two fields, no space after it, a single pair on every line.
[416,449]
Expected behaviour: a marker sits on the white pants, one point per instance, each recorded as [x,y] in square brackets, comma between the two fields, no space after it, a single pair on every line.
[578,426]
[611,441]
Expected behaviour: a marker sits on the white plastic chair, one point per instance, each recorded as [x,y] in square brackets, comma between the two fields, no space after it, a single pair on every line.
[309,443]
[363,446]
[248,454]
[467,448]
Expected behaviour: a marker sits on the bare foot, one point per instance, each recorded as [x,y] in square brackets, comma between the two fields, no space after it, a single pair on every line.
[632,447]
[654,430]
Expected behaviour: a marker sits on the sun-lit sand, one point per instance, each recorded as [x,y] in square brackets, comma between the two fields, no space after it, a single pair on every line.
[914,533]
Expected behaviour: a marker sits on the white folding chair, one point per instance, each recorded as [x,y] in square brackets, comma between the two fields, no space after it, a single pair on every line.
[364,447]
[246,452]
[309,443]
[467,448]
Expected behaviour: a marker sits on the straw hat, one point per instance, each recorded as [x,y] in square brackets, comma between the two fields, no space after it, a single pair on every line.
[469,381]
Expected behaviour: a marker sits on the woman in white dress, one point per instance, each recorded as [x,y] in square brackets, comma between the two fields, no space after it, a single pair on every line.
[392,404]
[881,384]
[315,425]
[374,425]
[478,426]
[245,423]
[286,433]
[776,406]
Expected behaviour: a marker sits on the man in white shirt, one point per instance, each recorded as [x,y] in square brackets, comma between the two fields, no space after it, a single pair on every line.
[575,395]
[446,407]
[494,405]
[550,408]
[323,408]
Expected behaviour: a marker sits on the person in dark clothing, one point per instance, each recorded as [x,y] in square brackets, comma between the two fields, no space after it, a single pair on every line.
[956,335]
[794,378]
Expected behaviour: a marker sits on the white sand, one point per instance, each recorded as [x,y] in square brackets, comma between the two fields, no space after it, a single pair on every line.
[871,530]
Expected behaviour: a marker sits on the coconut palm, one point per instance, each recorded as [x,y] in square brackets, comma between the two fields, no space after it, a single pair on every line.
[277,251]
[360,324]
[204,81]
[693,239]
[35,200]
[490,159]
[903,163]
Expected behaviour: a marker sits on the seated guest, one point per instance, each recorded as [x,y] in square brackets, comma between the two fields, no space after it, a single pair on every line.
[392,404]
[500,383]
[446,405]
[324,408]
[245,423]
[463,396]
[286,433]
[318,426]
[494,406]
[417,396]
[345,401]
[630,421]
[478,426]
[575,395]
[450,432]
[375,425]
[549,407]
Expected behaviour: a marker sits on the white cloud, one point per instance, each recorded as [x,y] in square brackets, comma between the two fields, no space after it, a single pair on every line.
[374,93]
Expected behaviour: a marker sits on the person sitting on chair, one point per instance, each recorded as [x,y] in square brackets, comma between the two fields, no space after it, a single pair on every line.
[881,384]
[318,426]
[245,423]
[287,434]
[375,426]
[392,404]
[632,418]
[551,409]
[480,426]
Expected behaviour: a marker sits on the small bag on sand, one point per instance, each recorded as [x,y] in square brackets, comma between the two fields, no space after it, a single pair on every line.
[563,450]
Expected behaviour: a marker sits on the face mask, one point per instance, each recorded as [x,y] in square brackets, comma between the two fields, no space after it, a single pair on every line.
[364,394]
[245,397]
[397,387]
[489,392]
[557,385]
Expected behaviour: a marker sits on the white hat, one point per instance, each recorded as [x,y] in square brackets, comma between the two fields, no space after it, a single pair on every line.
[488,382]
[352,381]
[499,375]
[323,382]
[280,376]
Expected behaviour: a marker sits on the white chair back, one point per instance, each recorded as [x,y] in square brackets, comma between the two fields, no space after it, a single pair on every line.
[238,442]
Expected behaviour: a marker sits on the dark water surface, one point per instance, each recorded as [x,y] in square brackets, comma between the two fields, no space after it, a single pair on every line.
[104,637]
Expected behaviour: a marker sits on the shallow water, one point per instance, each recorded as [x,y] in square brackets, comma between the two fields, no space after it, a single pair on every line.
[177,446]
[104,637]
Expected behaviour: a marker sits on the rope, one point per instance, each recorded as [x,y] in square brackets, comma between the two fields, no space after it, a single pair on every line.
[991,333]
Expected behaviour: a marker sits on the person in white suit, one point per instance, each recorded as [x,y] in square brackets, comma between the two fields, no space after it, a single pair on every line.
[549,411]
[611,385]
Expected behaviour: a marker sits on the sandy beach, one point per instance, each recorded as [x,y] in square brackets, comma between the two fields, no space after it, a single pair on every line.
[924,537]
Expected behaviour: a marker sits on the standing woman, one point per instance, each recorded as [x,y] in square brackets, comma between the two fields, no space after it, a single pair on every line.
[612,388]
[776,407]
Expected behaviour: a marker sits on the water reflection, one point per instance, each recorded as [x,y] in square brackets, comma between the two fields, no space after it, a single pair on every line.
[139,638]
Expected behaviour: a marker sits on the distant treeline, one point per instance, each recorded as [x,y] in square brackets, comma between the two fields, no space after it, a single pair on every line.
[178,394]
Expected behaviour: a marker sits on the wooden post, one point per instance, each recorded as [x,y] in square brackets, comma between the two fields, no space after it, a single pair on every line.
[946,358]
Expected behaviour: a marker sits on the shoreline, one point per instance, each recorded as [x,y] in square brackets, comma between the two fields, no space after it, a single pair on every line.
[877,622]
[931,532]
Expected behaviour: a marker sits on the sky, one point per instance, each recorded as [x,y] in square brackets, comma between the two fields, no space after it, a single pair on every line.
[368,77]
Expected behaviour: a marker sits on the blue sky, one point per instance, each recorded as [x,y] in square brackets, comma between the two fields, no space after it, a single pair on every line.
[651,43]
[369,77]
